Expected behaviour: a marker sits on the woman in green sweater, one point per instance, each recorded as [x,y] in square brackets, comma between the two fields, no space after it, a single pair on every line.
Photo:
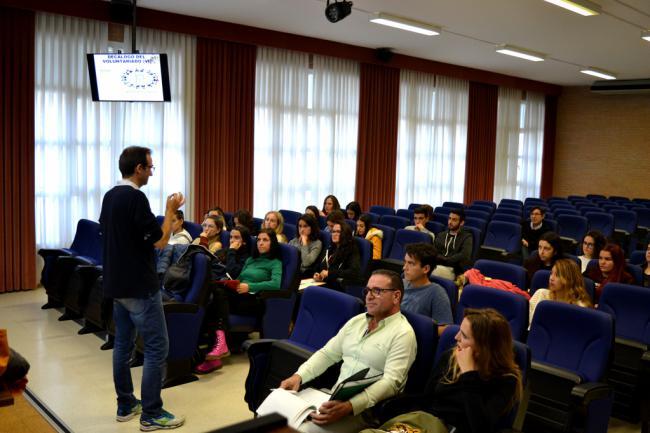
[262,271]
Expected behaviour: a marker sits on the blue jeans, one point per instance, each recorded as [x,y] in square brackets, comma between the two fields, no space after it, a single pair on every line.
[147,317]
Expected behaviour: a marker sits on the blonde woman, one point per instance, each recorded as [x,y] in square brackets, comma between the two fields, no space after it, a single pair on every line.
[566,284]
[275,221]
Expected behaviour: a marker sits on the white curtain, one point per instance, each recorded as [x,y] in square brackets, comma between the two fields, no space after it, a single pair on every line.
[306,121]
[78,142]
[432,139]
[519,146]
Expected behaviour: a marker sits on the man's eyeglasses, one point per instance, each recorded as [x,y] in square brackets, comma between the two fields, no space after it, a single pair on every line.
[376,291]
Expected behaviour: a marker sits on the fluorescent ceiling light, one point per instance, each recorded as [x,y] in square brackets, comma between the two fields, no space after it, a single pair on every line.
[645,35]
[582,7]
[600,73]
[520,52]
[405,24]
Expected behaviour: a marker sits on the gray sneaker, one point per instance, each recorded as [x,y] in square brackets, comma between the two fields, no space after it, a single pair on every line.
[164,421]
[126,413]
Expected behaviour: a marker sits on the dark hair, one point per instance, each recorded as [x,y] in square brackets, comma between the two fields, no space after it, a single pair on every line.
[460,212]
[395,280]
[244,218]
[131,157]
[428,210]
[314,209]
[618,257]
[354,207]
[336,216]
[245,236]
[346,236]
[274,252]
[422,210]
[335,203]
[312,223]
[599,241]
[367,220]
[217,209]
[555,241]
[425,253]
[539,208]
[181,216]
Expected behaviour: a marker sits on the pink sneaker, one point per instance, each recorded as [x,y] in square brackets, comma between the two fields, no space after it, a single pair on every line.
[208,367]
[220,349]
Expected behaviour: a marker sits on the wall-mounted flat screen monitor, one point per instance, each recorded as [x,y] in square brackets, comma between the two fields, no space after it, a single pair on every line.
[129,77]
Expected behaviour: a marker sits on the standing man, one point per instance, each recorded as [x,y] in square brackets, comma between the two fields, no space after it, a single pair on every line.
[131,233]
[454,247]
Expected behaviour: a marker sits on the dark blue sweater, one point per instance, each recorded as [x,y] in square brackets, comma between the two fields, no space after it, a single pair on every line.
[129,232]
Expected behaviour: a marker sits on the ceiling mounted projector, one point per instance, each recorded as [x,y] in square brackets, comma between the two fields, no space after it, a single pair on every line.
[337,10]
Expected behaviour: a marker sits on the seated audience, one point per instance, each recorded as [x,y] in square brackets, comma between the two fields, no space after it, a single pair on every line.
[381,340]
[592,243]
[244,218]
[610,269]
[646,268]
[210,237]
[532,231]
[374,235]
[421,216]
[261,272]
[179,235]
[275,221]
[471,387]
[421,295]
[454,247]
[239,250]
[353,210]
[309,244]
[330,204]
[218,212]
[313,211]
[566,284]
[335,217]
[549,250]
[341,264]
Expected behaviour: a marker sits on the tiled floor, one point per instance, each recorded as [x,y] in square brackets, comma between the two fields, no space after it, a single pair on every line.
[73,377]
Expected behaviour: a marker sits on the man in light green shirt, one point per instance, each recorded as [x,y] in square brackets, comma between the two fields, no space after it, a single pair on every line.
[381,339]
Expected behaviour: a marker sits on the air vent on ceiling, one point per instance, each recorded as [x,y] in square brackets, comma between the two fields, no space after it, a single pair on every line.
[615,87]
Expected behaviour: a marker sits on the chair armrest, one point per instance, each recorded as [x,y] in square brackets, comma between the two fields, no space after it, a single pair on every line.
[267,294]
[90,271]
[257,345]
[556,371]
[49,252]
[584,393]
[72,260]
[180,308]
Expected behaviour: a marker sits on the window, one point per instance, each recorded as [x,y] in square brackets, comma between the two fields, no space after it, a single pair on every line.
[432,139]
[306,120]
[78,142]
[520,142]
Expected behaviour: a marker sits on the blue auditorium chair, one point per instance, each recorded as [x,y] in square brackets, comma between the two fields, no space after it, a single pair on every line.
[195,229]
[551,222]
[414,206]
[593,208]
[478,214]
[325,238]
[503,271]
[441,218]
[574,198]
[387,240]
[382,210]
[557,212]
[477,223]
[511,202]
[405,213]
[290,217]
[539,280]
[572,229]
[629,373]
[394,221]
[637,257]
[321,315]
[87,239]
[570,348]
[257,223]
[601,221]
[595,196]
[487,203]
[611,207]
[374,218]
[404,237]
[365,259]
[508,210]
[453,205]
[477,236]
[352,224]
[289,231]
[442,210]
[625,222]
[435,226]
[502,242]
[507,217]
[278,304]
[513,307]
[482,208]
